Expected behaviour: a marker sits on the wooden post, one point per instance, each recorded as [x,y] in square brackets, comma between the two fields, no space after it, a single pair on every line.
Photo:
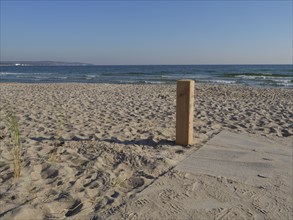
[184,112]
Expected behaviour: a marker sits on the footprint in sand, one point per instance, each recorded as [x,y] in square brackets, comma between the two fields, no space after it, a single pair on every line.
[133,183]
[74,208]
[48,171]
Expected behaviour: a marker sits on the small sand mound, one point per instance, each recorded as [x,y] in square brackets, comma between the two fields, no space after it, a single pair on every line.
[84,177]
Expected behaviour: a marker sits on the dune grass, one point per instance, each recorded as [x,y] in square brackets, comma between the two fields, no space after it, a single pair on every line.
[60,126]
[12,124]
[62,120]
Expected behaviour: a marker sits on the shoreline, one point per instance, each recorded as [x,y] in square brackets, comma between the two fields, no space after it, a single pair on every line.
[116,139]
[154,83]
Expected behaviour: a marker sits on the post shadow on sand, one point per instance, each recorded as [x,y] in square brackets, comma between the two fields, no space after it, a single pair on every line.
[145,142]
[40,139]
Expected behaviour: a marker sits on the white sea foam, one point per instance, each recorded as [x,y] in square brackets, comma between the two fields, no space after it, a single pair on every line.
[127,81]
[169,76]
[260,77]
[253,77]
[91,76]
[42,77]
[154,82]
[222,81]
[283,80]
[285,84]
[24,76]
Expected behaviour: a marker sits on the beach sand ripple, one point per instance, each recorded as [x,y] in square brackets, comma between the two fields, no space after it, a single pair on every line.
[88,148]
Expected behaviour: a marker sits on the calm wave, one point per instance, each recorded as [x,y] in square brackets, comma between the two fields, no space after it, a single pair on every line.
[252,75]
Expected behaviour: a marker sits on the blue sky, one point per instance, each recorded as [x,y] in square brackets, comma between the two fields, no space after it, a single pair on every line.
[148,32]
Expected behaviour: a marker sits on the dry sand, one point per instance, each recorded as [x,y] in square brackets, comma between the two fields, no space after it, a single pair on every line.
[117,140]
[233,176]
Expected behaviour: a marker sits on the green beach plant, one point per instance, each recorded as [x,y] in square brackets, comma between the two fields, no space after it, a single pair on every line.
[13,126]
[60,123]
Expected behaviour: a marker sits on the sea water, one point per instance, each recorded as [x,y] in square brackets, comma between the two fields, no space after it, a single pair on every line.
[252,75]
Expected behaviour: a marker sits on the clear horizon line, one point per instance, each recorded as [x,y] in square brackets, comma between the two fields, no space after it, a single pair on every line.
[215,64]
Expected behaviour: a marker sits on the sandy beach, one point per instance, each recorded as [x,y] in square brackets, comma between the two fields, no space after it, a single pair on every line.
[86,149]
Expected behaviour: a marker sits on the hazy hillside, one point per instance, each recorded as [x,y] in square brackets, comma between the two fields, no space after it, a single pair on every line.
[41,63]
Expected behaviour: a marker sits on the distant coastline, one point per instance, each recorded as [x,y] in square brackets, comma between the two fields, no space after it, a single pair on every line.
[42,63]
